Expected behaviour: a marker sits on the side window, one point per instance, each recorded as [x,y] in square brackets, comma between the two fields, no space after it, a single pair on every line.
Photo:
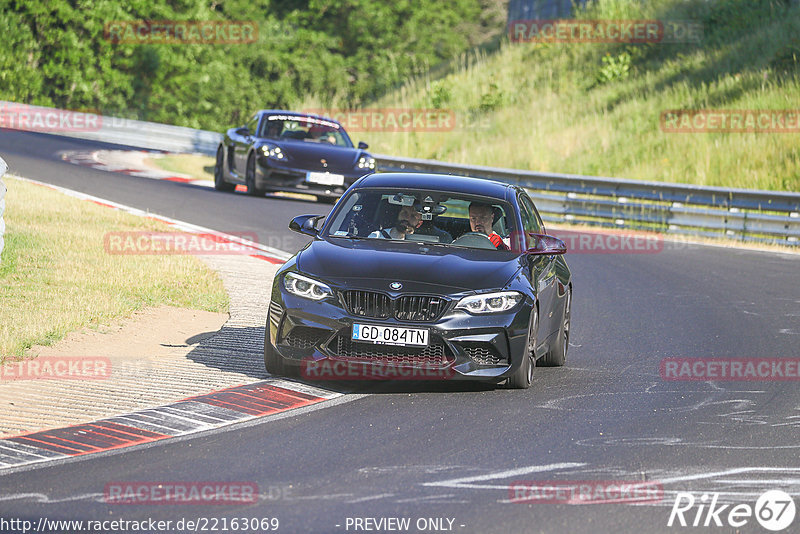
[531,223]
[252,124]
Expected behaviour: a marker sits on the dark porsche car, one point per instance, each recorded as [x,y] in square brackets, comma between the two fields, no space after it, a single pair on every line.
[450,274]
[287,151]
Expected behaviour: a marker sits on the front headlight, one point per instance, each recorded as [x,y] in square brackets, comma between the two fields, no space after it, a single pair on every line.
[366,162]
[272,152]
[490,302]
[305,287]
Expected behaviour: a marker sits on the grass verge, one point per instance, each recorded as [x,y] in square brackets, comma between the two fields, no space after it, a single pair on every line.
[595,109]
[56,276]
[198,166]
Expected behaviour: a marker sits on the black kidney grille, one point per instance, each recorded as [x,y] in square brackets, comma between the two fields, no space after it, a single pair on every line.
[406,308]
[419,308]
[368,304]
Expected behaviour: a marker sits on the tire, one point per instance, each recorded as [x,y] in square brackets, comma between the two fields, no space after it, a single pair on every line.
[250,178]
[557,355]
[523,377]
[273,362]
[219,170]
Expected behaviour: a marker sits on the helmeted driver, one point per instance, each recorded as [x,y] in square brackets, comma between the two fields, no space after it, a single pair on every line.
[481,219]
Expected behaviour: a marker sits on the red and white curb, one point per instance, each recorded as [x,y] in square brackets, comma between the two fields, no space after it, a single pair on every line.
[189,416]
[244,246]
[130,162]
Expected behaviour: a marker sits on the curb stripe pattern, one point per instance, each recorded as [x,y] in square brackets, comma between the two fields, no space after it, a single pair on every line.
[195,414]
[89,159]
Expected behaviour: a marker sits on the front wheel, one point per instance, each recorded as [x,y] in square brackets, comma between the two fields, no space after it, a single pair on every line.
[219,179]
[272,360]
[523,376]
[250,178]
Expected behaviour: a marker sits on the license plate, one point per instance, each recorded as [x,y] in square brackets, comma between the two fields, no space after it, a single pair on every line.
[390,335]
[325,178]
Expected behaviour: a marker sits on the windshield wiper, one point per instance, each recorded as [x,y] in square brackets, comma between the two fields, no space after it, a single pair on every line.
[348,236]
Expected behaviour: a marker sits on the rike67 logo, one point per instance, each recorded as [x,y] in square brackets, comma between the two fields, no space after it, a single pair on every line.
[774,510]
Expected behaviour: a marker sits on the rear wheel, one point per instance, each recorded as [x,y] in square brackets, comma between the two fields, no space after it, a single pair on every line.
[557,356]
[250,178]
[523,376]
[219,180]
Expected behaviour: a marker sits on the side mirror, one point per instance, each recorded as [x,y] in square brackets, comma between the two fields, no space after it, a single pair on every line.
[362,145]
[546,245]
[305,224]
[242,131]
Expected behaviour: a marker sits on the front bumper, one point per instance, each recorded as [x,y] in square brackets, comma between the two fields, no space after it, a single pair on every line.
[274,177]
[461,346]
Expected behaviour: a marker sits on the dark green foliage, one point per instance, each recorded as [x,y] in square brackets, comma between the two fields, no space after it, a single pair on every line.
[345,52]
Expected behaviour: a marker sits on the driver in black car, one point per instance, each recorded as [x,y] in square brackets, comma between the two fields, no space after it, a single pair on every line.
[408,220]
[481,219]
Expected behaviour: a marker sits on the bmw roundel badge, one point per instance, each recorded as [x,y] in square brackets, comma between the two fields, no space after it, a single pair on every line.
[396,285]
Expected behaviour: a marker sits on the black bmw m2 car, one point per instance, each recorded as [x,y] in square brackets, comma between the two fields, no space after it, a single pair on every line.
[428,271]
[287,151]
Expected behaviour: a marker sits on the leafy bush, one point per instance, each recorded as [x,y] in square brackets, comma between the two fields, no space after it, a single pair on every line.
[614,68]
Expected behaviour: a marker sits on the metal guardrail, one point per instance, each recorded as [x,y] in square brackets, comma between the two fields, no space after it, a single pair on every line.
[742,214]
[3,169]
[119,131]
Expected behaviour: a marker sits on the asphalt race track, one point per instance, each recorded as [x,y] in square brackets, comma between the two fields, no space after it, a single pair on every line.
[446,450]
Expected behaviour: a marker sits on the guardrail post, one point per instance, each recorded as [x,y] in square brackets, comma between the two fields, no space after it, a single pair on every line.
[3,169]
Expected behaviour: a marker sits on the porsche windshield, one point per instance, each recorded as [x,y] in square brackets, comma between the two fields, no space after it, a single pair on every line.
[425,216]
[307,129]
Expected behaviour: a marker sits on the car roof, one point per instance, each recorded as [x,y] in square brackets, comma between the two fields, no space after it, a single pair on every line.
[296,114]
[438,182]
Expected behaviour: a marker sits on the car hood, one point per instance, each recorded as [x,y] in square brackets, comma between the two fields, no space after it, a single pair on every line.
[310,155]
[420,267]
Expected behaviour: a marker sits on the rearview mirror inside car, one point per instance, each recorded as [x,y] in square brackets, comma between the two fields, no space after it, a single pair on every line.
[546,245]
[305,224]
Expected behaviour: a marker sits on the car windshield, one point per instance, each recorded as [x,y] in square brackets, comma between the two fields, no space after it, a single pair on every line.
[447,219]
[305,129]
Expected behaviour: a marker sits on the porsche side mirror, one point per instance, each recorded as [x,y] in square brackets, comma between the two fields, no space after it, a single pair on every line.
[305,224]
[546,245]
[362,145]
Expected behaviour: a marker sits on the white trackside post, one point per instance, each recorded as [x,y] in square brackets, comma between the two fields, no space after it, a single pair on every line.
[3,169]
